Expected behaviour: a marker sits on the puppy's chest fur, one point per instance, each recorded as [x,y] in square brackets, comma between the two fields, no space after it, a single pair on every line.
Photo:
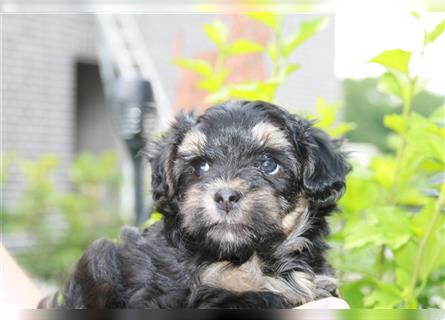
[297,287]
[246,277]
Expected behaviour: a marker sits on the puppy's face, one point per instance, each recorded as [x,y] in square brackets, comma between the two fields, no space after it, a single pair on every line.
[241,174]
[237,174]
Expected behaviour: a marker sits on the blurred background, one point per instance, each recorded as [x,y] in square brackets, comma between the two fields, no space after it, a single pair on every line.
[81,93]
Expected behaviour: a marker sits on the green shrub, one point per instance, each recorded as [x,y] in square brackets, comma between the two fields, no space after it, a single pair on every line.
[63,223]
[366,106]
[389,246]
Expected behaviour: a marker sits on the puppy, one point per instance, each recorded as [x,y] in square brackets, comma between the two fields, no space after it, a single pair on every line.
[245,189]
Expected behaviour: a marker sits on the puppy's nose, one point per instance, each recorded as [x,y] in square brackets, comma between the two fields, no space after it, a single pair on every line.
[226,199]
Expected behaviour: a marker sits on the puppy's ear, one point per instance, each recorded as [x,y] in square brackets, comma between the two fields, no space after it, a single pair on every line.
[324,166]
[325,172]
[162,159]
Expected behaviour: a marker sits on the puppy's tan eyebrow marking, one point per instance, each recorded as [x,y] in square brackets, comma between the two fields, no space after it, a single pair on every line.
[270,136]
[192,144]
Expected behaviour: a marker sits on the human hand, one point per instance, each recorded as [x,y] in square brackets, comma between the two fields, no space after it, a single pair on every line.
[16,288]
[326,303]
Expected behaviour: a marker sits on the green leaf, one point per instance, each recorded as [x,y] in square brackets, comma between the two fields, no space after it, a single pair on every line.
[388,83]
[415,14]
[326,118]
[411,196]
[269,89]
[362,235]
[290,68]
[381,226]
[272,52]
[214,81]
[243,46]
[403,277]
[352,293]
[270,19]
[433,35]
[433,255]
[197,65]
[426,137]
[342,129]
[327,113]
[361,193]
[396,59]
[405,256]
[438,116]
[218,96]
[386,296]
[253,90]
[384,168]
[245,90]
[395,122]
[307,30]
[217,32]
[154,217]
[422,219]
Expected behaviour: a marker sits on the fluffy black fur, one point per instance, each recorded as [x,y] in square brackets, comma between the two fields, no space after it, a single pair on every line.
[173,263]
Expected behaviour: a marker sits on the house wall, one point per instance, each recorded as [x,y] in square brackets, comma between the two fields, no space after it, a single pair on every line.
[39,56]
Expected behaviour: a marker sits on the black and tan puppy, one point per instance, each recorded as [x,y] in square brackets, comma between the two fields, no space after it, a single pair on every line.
[245,189]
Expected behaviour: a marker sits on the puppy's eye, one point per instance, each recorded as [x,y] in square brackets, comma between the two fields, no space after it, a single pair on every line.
[269,166]
[201,166]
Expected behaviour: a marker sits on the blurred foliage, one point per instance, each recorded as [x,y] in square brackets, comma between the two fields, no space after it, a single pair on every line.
[388,243]
[326,117]
[6,164]
[366,106]
[388,314]
[61,224]
[214,78]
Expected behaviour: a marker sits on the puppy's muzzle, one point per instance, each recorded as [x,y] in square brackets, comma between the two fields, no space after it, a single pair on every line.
[226,199]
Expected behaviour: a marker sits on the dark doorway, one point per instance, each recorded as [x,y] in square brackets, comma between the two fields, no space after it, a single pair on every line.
[94,131]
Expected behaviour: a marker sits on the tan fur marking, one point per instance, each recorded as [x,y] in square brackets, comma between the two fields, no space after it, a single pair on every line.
[236,184]
[295,240]
[192,143]
[249,277]
[246,277]
[270,136]
[292,218]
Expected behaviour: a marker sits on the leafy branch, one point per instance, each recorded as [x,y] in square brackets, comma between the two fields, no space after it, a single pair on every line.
[421,250]
[214,77]
[398,213]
